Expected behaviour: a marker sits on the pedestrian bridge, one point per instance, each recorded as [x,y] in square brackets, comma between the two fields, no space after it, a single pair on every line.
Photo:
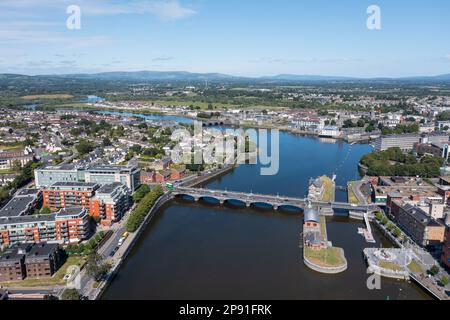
[276,202]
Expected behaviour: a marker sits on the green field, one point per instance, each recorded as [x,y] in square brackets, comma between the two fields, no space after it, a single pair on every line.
[351,195]
[47,97]
[328,186]
[329,257]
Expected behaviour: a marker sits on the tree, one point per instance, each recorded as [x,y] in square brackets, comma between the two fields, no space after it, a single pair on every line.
[45,210]
[71,294]
[84,147]
[397,232]
[444,281]
[434,270]
[95,268]
[106,142]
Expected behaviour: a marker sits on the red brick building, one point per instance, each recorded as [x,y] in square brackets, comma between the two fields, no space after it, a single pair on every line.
[69,194]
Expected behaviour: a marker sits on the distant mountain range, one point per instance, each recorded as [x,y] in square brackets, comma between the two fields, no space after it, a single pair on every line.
[188,76]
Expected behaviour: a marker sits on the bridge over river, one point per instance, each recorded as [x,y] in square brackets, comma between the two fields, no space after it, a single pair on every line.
[276,202]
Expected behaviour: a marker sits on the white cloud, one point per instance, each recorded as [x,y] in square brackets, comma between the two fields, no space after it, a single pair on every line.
[164,9]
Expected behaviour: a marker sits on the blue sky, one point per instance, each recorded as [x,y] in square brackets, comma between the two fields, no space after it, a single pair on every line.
[238,37]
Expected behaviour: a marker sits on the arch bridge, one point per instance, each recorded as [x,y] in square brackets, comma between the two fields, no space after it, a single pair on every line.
[275,202]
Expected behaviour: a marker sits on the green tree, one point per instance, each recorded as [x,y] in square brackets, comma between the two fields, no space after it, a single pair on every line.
[71,294]
[95,268]
[84,147]
[45,210]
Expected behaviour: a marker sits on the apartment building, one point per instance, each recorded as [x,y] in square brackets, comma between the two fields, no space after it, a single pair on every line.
[69,194]
[69,225]
[21,204]
[110,203]
[40,260]
[420,226]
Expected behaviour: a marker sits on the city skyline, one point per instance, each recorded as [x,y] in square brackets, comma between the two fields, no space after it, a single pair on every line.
[242,39]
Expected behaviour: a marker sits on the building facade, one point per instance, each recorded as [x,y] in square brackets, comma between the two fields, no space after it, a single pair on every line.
[406,142]
[421,227]
[9,159]
[40,260]
[103,175]
[446,248]
[69,225]
[110,203]
[69,194]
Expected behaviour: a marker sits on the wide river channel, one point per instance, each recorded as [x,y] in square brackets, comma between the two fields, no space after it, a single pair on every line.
[205,251]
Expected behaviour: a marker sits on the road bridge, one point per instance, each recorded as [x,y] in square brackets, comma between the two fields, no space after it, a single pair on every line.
[276,202]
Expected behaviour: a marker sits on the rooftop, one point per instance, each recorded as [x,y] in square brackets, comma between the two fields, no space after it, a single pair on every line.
[420,216]
[109,188]
[74,184]
[17,206]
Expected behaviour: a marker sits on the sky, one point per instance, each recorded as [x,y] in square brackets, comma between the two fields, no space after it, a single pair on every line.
[236,37]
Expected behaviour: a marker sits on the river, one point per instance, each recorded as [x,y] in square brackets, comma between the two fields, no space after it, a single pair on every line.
[204,251]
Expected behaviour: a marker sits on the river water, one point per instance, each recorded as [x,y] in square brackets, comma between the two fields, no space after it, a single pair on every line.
[205,251]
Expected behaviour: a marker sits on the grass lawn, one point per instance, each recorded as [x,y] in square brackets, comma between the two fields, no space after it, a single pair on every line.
[11,148]
[390,265]
[415,267]
[7,171]
[329,257]
[323,225]
[48,96]
[328,186]
[58,277]
[351,195]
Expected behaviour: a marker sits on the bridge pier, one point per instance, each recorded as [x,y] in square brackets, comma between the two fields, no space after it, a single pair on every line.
[248,204]
[275,207]
[222,201]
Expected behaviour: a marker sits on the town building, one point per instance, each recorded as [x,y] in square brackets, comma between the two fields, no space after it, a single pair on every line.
[9,158]
[147,177]
[40,260]
[161,177]
[161,164]
[21,204]
[434,149]
[330,132]
[110,203]
[406,142]
[12,263]
[69,194]
[43,260]
[46,177]
[69,225]
[416,223]
[446,247]
[103,175]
